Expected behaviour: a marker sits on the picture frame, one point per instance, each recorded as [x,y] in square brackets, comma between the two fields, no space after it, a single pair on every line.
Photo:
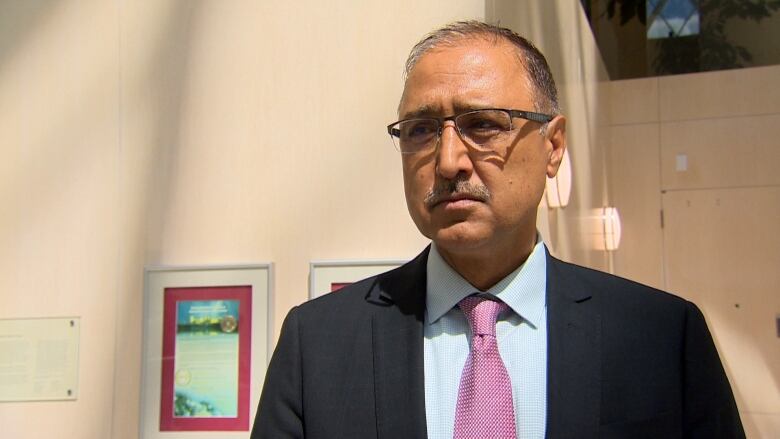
[206,345]
[328,276]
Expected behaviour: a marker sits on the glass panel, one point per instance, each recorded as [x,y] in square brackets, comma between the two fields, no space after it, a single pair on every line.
[640,38]
[672,18]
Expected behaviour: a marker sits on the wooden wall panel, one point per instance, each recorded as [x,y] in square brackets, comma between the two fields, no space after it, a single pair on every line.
[633,182]
[733,152]
[722,252]
[634,101]
[727,93]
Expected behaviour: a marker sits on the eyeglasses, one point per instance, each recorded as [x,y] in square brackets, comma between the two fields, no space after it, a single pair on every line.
[484,129]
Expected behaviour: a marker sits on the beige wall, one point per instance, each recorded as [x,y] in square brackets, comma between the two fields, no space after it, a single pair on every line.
[718,245]
[189,132]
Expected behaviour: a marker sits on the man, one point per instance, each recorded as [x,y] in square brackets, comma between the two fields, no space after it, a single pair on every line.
[417,351]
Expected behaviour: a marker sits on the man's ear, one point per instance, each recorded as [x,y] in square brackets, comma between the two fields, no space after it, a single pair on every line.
[555,138]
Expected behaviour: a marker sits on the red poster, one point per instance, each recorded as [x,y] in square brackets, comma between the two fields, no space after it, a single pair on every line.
[338,285]
[206,359]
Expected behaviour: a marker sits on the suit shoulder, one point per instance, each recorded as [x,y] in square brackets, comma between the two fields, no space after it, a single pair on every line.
[401,287]
[345,298]
[612,288]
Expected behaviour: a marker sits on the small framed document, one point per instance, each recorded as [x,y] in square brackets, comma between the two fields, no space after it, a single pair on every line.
[329,276]
[39,359]
[206,339]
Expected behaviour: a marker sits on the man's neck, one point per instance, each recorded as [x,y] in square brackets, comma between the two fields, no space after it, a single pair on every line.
[485,268]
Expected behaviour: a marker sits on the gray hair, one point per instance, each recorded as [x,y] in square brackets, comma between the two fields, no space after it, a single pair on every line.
[542,84]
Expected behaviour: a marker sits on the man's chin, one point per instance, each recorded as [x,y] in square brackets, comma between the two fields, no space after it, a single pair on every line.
[461,238]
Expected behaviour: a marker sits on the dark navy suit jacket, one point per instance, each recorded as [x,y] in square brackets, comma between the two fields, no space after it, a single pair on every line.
[624,361]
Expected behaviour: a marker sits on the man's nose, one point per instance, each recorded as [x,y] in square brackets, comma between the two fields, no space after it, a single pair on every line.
[452,157]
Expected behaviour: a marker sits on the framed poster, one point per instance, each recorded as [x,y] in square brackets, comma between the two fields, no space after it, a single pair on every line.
[206,341]
[329,276]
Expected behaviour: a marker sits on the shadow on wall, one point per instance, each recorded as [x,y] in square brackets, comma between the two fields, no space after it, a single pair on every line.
[164,79]
[152,96]
[19,21]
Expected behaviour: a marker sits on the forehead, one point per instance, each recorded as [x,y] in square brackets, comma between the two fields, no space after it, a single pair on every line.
[475,73]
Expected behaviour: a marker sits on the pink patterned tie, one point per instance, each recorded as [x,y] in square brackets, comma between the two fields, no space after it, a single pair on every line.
[484,409]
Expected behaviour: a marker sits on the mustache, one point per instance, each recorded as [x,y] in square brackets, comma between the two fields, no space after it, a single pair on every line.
[446,189]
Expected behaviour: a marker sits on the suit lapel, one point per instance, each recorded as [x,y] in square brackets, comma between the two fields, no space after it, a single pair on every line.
[397,339]
[573,355]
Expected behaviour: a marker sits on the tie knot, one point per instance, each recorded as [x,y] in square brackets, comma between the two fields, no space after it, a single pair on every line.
[482,314]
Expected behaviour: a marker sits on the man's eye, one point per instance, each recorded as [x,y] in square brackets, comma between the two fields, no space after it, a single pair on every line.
[418,129]
[482,127]
[483,124]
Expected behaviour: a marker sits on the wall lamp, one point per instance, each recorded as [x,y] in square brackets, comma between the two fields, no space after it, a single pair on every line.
[612,229]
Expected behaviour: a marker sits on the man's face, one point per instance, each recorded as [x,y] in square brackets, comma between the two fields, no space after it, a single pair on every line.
[471,202]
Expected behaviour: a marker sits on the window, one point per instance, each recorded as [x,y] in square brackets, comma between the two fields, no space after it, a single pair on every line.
[672,18]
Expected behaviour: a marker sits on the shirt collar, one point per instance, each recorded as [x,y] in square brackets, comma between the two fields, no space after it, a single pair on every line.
[523,289]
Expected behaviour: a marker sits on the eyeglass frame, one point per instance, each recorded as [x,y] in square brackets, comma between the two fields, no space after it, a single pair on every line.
[522,114]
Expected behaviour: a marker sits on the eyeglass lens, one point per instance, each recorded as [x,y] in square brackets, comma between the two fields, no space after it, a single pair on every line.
[482,129]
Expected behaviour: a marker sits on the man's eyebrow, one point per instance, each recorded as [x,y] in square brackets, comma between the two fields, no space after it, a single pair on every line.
[423,111]
[435,111]
[464,107]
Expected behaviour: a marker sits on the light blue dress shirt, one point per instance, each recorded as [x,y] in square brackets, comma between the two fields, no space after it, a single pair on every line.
[521,333]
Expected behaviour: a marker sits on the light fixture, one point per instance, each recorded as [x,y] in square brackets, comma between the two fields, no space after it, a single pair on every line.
[558,188]
[611,221]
